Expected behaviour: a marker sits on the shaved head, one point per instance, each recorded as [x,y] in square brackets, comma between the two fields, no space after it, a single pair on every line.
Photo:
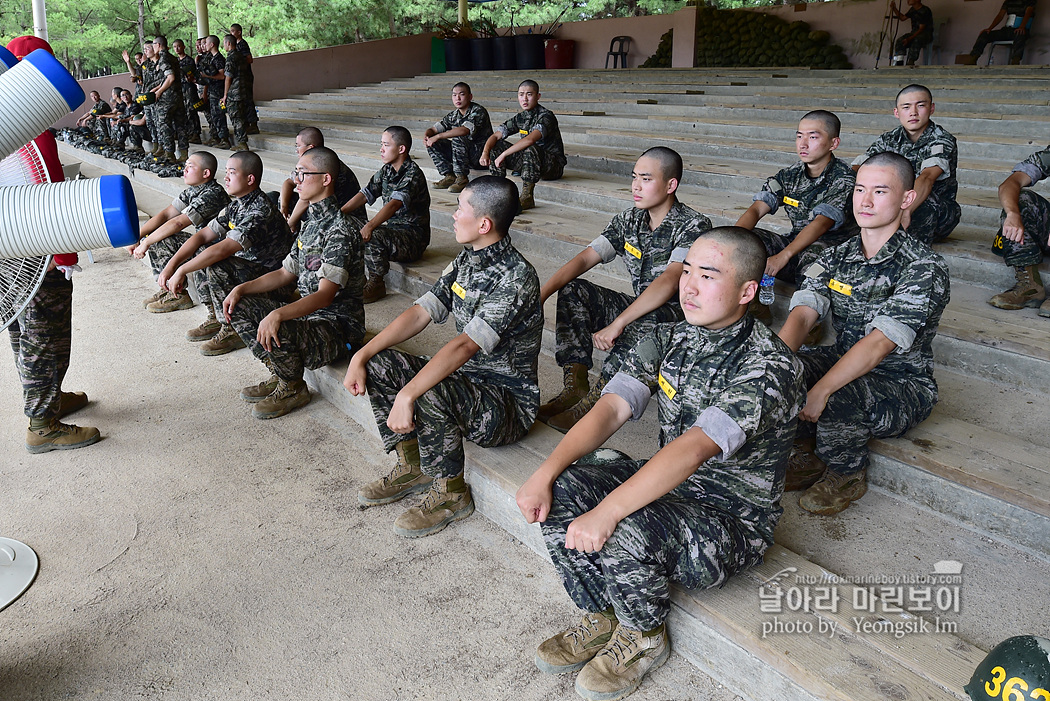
[747,252]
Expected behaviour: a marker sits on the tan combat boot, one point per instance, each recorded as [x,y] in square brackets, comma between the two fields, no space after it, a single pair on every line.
[406,478]
[286,397]
[1028,292]
[576,385]
[68,402]
[834,492]
[170,303]
[447,500]
[804,467]
[45,435]
[568,418]
[527,200]
[225,341]
[619,668]
[375,289]
[574,647]
[206,330]
[445,181]
[461,182]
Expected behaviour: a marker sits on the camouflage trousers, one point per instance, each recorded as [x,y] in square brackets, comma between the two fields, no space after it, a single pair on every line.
[151,122]
[913,48]
[533,163]
[673,539]
[163,251]
[193,118]
[138,134]
[119,132]
[391,243]
[40,339]
[455,156]
[460,406]
[171,125]
[216,117]
[934,220]
[793,272]
[223,276]
[584,309]
[872,406]
[1035,215]
[100,128]
[236,110]
[307,342]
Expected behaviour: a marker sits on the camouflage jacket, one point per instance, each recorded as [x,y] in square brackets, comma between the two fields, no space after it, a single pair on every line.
[743,387]
[236,69]
[901,291]
[245,51]
[830,194]
[476,120]
[189,72]
[211,64]
[167,65]
[329,246]
[202,203]
[647,252]
[256,224]
[1036,166]
[539,119]
[935,147]
[150,75]
[410,187]
[494,297]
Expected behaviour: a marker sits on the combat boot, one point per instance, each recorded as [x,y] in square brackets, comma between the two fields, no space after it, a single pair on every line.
[259,392]
[375,289]
[170,303]
[286,397]
[225,341]
[447,500]
[1028,292]
[568,418]
[461,182]
[619,668]
[181,158]
[206,330]
[223,144]
[242,146]
[804,467]
[156,296]
[252,128]
[406,478]
[68,402]
[575,388]
[1044,309]
[445,181]
[527,201]
[195,139]
[834,492]
[574,647]
[45,435]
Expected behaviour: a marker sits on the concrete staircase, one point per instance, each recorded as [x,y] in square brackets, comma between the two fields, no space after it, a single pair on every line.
[970,484]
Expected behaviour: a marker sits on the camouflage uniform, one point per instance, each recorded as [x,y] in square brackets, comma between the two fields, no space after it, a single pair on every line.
[939,214]
[456,156]
[171,111]
[1009,7]
[137,133]
[190,96]
[919,16]
[329,247]
[256,224]
[150,81]
[40,338]
[584,308]
[252,115]
[346,186]
[99,126]
[405,235]
[236,96]
[1035,215]
[830,194]
[211,64]
[901,291]
[118,128]
[544,159]
[494,297]
[743,387]
[201,204]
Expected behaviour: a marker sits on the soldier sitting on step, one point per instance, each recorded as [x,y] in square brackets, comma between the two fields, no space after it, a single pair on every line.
[817,194]
[885,290]
[934,155]
[1022,237]
[652,238]
[327,264]
[164,234]
[246,240]
[400,230]
[482,385]
[539,153]
[346,185]
[457,141]
[618,530]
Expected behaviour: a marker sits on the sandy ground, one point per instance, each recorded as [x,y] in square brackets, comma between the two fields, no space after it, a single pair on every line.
[198,553]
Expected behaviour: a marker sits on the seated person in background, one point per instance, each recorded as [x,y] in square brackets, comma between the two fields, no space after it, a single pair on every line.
[885,291]
[1022,236]
[934,155]
[92,118]
[652,237]
[117,118]
[618,530]
[1018,14]
[400,230]
[539,153]
[246,240]
[198,204]
[816,193]
[457,141]
[346,185]
[482,385]
[908,46]
[328,267]
[136,116]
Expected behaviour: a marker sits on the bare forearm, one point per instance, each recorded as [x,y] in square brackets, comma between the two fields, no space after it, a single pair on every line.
[580,263]
[809,234]
[267,283]
[405,326]
[800,322]
[604,419]
[858,361]
[384,214]
[749,219]
[452,356]
[657,294]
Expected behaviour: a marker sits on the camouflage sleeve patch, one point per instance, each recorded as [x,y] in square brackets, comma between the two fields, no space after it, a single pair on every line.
[833,213]
[918,292]
[809,298]
[632,390]
[1034,172]
[194,216]
[291,264]
[604,248]
[438,301]
[543,126]
[894,330]
[240,237]
[937,162]
[721,429]
[1036,166]
[182,201]
[333,273]
[374,189]
[481,333]
[438,312]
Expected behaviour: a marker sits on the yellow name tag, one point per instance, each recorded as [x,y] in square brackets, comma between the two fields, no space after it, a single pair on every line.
[632,250]
[523,132]
[789,201]
[299,243]
[840,287]
[231,225]
[458,289]
[666,386]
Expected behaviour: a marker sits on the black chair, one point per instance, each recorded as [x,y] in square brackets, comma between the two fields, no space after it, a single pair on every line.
[619,47]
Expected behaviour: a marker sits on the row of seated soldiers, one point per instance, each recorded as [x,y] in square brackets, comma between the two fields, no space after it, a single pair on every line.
[762,413]
[164,109]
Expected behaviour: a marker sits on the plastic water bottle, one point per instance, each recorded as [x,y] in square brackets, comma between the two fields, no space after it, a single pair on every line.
[765,291]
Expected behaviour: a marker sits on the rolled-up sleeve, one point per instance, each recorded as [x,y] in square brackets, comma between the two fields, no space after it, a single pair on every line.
[808,298]
[481,333]
[434,307]
[720,428]
[604,248]
[635,392]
